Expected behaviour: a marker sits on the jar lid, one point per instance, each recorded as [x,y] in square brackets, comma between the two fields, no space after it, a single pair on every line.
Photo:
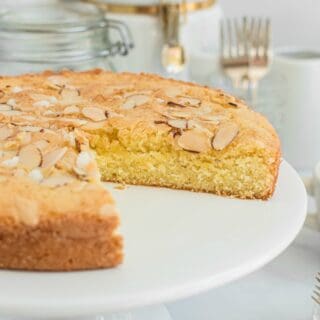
[61,16]
[145,2]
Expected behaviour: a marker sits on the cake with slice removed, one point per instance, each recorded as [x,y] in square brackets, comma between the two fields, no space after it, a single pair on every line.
[61,133]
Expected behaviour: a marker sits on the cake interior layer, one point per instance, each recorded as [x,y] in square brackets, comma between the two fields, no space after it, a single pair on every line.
[235,173]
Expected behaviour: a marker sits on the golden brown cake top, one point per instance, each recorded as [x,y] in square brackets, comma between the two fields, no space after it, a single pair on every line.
[47,120]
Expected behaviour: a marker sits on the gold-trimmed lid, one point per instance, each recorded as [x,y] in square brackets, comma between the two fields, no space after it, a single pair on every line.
[152,8]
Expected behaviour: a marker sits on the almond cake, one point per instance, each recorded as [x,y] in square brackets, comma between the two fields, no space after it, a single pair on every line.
[62,133]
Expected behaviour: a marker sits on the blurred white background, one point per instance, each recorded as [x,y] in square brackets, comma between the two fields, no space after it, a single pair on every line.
[295,22]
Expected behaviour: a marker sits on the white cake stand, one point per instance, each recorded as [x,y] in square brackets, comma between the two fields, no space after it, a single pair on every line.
[177,244]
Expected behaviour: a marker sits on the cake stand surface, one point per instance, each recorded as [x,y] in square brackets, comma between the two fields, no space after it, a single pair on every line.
[177,244]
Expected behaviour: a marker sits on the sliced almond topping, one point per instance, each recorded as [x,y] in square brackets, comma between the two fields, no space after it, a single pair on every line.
[172,92]
[178,113]
[71,110]
[189,101]
[159,100]
[68,93]
[95,114]
[5,132]
[215,119]
[41,144]
[135,100]
[50,113]
[16,89]
[175,104]
[225,135]
[72,121]
[83,160]
[30,129]
[42,103]
[58,181]
[11,102]
[30,156]
[12,162]
[24,137]
[10,113]
[178,123]
[86,167]
[5,107]
[206,107]
[58,80]
[36,175]
[94,125]
[51,158]
[194,140]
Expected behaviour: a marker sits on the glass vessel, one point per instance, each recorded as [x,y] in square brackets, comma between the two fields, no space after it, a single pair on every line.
[63,34]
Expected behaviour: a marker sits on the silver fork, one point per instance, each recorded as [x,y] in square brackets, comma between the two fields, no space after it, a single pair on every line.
[245,50]
[316,297]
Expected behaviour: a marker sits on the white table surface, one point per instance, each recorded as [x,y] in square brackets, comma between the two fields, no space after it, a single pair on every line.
[280,290]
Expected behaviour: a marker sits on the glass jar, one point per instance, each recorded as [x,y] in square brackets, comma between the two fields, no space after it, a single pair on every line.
[64,34]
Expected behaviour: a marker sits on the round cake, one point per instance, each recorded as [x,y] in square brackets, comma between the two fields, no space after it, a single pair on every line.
[61,134]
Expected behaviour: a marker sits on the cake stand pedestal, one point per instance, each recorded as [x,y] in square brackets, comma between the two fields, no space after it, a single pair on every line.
[177,244]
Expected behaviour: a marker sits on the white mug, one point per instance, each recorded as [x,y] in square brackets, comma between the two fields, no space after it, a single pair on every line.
[295,77]
[312,184]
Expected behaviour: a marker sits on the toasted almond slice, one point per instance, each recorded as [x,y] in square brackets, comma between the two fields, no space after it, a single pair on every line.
[50,113]
[215,119]
[189,101]
[179,113]
[71,121]
[41,144]
[68,93]
[194,140]
[16,89]
[30,129]
[12,162]
[58,181]
[11,102]
[71,110]
[159,100]
[172,92]
[36,175]
[5,107]
[10,113]
[94,125]
[58,80]
[42,103]
[175,104]
[84,158]
[24,137]
[178,123]
[51,158]
[135,100]
[225,135]
[95,114]
[206,107]
[30,156]
[5,132]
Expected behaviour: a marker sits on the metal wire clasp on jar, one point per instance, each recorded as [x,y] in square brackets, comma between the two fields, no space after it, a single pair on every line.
[65,34]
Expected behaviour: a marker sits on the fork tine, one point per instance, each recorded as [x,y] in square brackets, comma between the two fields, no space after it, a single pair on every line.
[245,34]
[259,36]
[267,37]
[230,43]
[315,299]
[222,39]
